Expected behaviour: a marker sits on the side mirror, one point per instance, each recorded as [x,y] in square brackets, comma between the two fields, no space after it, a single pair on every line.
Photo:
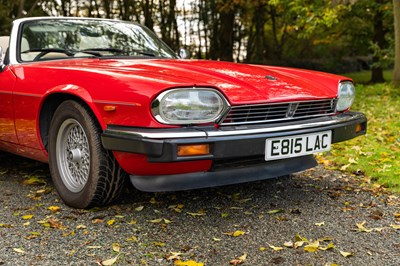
[184,53]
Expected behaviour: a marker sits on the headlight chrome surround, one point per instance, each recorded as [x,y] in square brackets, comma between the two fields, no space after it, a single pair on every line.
[346,95]
[182,106]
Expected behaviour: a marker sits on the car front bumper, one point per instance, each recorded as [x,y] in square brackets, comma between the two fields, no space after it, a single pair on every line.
[227,145]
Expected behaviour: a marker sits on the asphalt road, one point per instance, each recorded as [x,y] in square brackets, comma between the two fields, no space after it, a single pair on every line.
[314,213]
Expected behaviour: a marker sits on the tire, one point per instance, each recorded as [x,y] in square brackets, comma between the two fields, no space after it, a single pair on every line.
[84,174]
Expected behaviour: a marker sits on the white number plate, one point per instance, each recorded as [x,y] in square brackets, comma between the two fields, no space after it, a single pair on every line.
[299,145]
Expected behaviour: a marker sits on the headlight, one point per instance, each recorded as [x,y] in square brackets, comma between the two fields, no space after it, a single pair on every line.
[189,106]
[346,95]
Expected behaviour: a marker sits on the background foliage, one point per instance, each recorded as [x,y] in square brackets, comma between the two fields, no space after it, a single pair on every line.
[375,156]
[336,36]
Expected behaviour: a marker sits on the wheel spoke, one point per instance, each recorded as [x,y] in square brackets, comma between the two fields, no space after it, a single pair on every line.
[73,155]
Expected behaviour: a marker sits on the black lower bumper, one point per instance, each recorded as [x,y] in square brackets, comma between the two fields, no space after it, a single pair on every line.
[161,145]
[237,153]
[222,177]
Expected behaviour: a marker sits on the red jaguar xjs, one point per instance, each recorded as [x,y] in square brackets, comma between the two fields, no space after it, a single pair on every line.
[103,100]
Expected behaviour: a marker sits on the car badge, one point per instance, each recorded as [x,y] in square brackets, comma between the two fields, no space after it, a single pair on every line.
[291,109]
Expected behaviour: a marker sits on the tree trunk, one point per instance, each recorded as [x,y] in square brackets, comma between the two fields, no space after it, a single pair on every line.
[214,22]
[256,44]
[21,9]
[396,13]
[148,14]
[379,39]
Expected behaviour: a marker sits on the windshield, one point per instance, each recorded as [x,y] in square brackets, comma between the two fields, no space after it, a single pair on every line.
[65,38]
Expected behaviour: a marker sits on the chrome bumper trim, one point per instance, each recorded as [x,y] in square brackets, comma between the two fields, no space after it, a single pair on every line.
[239,130]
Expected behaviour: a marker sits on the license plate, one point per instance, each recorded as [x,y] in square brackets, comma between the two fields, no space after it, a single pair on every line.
[299,145]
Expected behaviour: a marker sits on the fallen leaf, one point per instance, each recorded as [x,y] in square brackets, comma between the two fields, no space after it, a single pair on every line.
[298,244]
[153,200]
[217,239]
[177,208]
[327,247]
[344,167]
[235,234]
[288,244]
[56,224]
[71,233]
[188,263]
[300,238]
[19,250]
[54,209]
[27,217]
[275,211]
[346,254]
[33,180]
[6,225]
[110,262]
[276,248]
[174,256]
[312,247]
[140,208]
[159,244]
[361,228]
[116,247]
[111,222]
[320,224]
[132,238]
[40,192]
[262,248]
[81,226]
[395,226]
[32,235]
[352,161]
[239,260]
[199,213]
[97,221]
[238,233]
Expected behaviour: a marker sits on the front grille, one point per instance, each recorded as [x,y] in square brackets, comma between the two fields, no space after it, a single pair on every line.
[264,113]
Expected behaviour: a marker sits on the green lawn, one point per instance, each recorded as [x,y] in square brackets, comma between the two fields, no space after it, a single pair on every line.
[377,154]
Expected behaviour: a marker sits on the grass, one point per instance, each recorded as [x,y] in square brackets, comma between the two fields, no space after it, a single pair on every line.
[377,154]
[363,77]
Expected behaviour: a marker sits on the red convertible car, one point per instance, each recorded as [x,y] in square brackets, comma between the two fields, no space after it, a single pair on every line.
[103,100]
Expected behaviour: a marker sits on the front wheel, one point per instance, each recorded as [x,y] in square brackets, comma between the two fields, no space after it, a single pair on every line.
[84,173]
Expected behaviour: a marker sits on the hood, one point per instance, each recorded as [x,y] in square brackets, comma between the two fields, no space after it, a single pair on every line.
[240,83]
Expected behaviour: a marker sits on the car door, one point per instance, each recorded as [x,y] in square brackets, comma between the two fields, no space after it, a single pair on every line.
[7,127]
[7,83]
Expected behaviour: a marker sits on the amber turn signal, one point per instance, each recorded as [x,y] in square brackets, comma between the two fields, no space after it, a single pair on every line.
[193,150]
[109,108]
[359,128]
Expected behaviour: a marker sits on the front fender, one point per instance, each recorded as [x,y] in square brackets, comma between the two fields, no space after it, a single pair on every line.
[72,91]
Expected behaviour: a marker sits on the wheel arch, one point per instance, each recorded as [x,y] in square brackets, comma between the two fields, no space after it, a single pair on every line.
[53,99]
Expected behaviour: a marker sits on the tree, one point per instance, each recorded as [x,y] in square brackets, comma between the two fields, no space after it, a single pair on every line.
[396,13]
[379,41]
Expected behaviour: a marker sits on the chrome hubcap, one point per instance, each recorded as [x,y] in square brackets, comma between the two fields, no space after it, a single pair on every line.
[73,155]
